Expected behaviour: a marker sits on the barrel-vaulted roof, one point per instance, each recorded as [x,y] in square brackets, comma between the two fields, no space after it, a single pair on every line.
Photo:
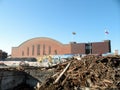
[40,38]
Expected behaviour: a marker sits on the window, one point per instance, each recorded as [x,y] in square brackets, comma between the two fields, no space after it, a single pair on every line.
[22,53]
[49,49]
[44,49]
[55,52]
[33,49]
[88,48]
[38,49]
[28,51]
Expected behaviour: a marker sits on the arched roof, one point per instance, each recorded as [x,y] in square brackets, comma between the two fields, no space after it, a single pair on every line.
[40,39]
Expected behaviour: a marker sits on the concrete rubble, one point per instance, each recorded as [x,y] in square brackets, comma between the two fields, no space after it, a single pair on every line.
[90,73]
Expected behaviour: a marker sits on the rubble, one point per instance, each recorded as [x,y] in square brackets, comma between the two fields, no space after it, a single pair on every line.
[90,73]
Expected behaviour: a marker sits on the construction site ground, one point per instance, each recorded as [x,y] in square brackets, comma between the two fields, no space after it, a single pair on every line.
[91,72]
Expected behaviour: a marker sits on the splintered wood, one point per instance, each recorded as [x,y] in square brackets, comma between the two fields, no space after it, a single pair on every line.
[92,72]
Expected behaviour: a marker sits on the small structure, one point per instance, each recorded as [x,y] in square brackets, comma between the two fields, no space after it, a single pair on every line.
[116,52]
[3,54]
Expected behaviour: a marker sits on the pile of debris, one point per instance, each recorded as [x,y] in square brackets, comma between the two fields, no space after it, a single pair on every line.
[89,73]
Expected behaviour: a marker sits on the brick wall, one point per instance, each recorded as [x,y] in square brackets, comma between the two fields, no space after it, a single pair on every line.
[78,48]
[45,44]
[49,46]
[101,47]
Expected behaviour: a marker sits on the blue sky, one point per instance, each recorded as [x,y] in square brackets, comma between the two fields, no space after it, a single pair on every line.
[21,20]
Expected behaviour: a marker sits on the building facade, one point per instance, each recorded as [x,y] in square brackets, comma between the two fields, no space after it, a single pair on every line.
[37,47]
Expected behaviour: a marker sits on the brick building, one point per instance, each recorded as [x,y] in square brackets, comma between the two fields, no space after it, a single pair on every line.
[3,54]
[45,46]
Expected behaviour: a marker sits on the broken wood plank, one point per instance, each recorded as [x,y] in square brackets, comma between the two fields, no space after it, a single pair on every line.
[62,73]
